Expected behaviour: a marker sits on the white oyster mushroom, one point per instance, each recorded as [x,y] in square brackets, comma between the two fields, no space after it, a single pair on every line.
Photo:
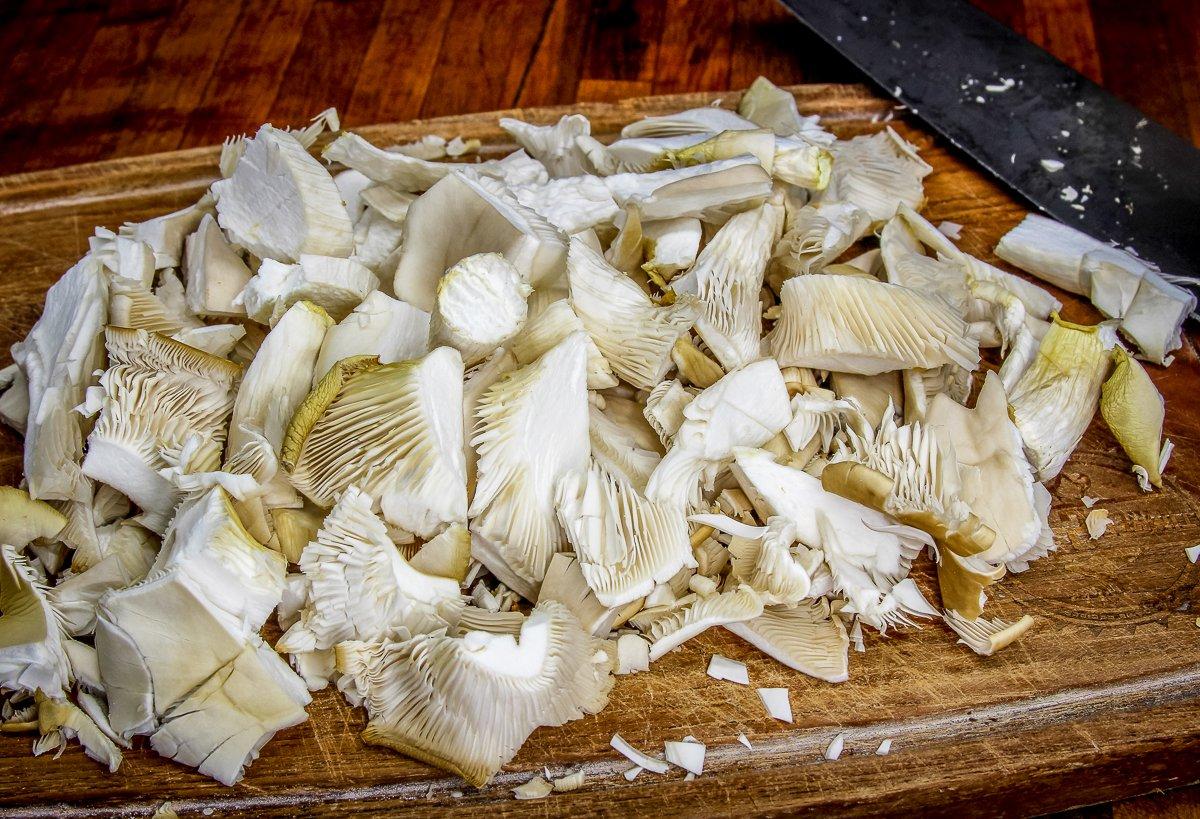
[59,720]
[495,224]
[337,285]
[361,587]
[572,204]
[1155,317]
[390,329]
[1056,397]
[131,305]
[477,382]
[481,304]
[239,579]
[216,274]
[58,358]
[623,443]
[865,550]
[711,192]
[280,202]
[859,325]
[634,335]
[532,430]
[129,553]
[549,326]
[165,234]
[220,726]
[818,234]
[807,638]
[124,256]
[735,605]
[729,275]
[747,407]
[708,120]
[279,376]
[351,185]
[466,704]
[664,408]
[998,482]
[769,106]
[157,392]
[214,339]
[32,651]
[376,240]
[14,400]
[671,246]
[394,431]
[553,145]
[393,168]
[877,173]
[625,543]
[391,204]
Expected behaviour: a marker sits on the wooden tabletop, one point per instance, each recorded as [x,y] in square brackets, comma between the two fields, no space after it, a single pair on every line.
[91,80]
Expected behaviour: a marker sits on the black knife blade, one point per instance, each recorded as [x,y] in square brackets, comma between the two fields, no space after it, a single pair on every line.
[1018,111]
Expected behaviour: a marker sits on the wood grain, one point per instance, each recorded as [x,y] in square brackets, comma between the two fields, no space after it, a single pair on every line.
[1098,702]
[97,80]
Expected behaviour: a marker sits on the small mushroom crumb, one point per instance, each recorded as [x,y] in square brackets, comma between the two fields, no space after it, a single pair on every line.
[688,755]
[952,230]
[1089,501]
[777,703]
[1052,165]
[570,782]
[1097,522]
[632,773]
[835,747]
[723,668]
[884,748]
[745,741]
[536,788]
[1193,553]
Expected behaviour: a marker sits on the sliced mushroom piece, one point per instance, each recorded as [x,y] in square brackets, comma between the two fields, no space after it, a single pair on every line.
[383,428]
[32,653]
[513,507]
[280,202]
[859,325]
[635,336]
[466,704]
[216,274]
[807,638]
[481,304]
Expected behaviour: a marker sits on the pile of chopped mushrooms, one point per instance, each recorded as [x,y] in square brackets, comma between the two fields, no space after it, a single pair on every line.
[482,434]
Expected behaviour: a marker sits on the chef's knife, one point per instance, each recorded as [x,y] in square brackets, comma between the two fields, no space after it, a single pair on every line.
[1069,147]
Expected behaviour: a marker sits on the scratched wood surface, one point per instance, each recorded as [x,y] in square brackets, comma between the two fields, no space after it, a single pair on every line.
[1098,702]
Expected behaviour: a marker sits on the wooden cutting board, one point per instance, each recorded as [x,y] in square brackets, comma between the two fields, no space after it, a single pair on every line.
[1098,702]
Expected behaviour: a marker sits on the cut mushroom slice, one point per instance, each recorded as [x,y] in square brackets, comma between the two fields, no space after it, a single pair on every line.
[635,336]
[280,202]
[32,653]
[129,551]
[625,543]
[866,551]
[747,407]
[711,192]
[1054,400]
[383,428]
[361,587]
[216,274]
[134,306]
[165,234]
[381,326]
[997,481]
[1133,409]
[496,225]
[733,606]
[279,375]
[553,145]
[467,704]
[447,555]
[692,121]
[877,172]
[219,727]
[59,720]
[551,325]
[986,637]
[769,106]
[337,285]
[817,235]
[459,319]
[395,169]
[157,392]
[858,325]
[513,506]
[57,359]
[807,638]
[729,275]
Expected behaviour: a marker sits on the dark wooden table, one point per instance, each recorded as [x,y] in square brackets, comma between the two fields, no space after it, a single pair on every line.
[86,80]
